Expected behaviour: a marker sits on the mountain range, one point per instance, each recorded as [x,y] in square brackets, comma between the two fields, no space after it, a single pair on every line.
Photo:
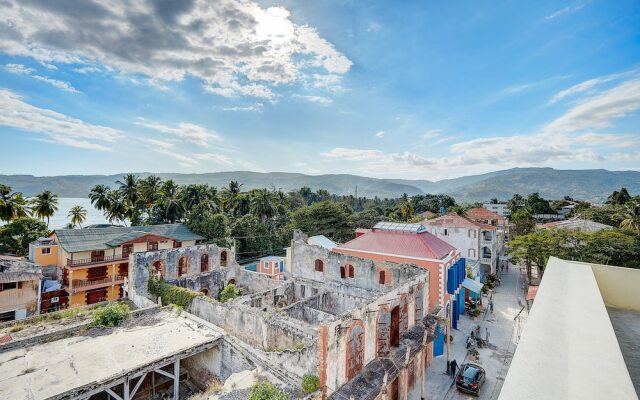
[591,185]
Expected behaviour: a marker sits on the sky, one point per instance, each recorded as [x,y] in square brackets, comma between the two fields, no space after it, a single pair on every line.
[389,89]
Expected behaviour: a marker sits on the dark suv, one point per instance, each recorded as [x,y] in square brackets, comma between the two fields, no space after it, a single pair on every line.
[470,378]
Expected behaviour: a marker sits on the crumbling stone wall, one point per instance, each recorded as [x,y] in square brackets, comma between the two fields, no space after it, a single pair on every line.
[140,264]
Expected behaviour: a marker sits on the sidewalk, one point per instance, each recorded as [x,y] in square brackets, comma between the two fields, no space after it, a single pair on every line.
[502,340]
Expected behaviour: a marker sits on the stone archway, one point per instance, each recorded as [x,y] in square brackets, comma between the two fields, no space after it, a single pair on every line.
[204,262]
[223,258]
[158,269]
[183,266]
[355,349]
[204,292]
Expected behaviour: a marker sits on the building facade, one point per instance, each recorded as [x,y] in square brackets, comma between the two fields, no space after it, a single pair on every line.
[19,289]
[93,263]
[476,241]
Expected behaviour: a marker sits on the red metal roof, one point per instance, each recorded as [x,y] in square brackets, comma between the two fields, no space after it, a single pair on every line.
[408,244]
[531,293]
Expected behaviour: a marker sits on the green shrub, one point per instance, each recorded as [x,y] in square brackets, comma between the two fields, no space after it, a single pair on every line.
[111,315]
[310,383]
[170,294]
[264,390]
[229,292]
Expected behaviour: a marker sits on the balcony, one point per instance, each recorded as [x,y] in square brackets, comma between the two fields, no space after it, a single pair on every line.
[96,260]
[82,285]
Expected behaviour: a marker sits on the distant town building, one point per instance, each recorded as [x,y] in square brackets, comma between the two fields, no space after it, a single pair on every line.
[19,288]
[273,266]
[476,241]
[577,224]
[501,209]
[481,214]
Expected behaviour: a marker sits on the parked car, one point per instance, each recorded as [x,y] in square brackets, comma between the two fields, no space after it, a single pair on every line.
[470,378]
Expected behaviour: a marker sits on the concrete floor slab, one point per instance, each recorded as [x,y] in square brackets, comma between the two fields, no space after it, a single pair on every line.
[50,369]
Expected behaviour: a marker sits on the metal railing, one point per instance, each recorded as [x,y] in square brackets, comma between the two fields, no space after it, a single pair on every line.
[77,283]
[95,260]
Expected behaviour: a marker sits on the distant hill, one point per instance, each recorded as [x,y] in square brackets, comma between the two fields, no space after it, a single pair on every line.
[592,185]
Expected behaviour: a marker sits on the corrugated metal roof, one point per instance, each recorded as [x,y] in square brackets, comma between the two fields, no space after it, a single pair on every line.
[420,245]
[8,277]
[323,241]
[75,240]
[456,221]
[19,271]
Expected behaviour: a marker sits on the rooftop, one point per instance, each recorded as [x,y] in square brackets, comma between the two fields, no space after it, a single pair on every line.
[577,224]
[18,270]
[481,213]
[456,221]
[87,239]
[411,241]
[100,355]
[570,348]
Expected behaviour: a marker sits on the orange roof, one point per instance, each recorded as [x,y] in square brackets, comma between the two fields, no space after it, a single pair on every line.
[531,293]
[455,221]
[481,213]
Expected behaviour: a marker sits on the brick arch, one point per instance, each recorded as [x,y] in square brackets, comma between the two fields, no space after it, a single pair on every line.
[158,269]
[183,266]
[355,349]
[383,331]
[204,262]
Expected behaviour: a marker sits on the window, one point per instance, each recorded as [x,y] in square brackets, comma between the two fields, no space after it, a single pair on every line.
[151,246]
[183,266]
[342,273]
[303,289]
[352,271]
[472,253]
[204,263]
[446,232]
[319,265]
[127,249]
[46,250]
[381,278]
[9,285]
[176,244]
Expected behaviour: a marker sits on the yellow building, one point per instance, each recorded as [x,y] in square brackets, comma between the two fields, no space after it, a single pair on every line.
[93,262]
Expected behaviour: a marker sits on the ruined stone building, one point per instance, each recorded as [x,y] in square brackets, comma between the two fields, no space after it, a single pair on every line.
[19,289]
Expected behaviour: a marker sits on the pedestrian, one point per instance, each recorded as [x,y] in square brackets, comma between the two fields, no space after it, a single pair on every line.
[473,336]
[491,306]
[454,366]
[469,342]
[478,331]
[486,335]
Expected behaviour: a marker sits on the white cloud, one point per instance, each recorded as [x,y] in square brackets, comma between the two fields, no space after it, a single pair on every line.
[233,47]
[431,134]
[159,143]
[590,84]
[563,11]
[23,70]
[215,158]
[56,127]
[86,70]
[314,99]
[353,154]
[379,134]
[256,108]
[598,111]
[192,133]
[18,69]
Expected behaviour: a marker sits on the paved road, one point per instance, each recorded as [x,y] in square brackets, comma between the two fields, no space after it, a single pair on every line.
[495,359]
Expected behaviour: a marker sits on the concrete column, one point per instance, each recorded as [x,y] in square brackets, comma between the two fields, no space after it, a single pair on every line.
[176,380]
[125,391]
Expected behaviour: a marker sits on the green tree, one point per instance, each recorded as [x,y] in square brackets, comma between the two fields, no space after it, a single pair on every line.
[212,226]
[149,189]
[171,206]
[516,202]
[631,216]
[229,292]
[100,197]
[16,235]
[116,209]
[262,204]
[459,209]
[253,238]
[229,195]
[128,190]
[523,222]
[12,205]
[537,205]
[366,219]
[619,197]
[78,215]
[325,218]
[44,205]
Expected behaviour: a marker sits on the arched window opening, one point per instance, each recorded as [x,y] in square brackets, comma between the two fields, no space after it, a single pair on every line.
[381,279]
[158,269]
[352,271]
[204,263]
[223,258]
[342,273]
[319,265]
[183,266]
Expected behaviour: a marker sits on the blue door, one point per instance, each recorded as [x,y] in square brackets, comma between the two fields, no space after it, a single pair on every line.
[438,343]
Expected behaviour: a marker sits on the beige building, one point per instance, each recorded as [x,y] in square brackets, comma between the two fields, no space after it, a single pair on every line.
[19,289]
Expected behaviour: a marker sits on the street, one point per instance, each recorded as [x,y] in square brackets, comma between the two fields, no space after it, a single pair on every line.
[495,359]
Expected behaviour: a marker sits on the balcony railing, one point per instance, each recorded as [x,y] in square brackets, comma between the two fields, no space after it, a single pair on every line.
[95,260]
[90,282]
[81,285]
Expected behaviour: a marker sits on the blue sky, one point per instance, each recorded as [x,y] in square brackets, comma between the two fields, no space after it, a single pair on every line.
[415,90]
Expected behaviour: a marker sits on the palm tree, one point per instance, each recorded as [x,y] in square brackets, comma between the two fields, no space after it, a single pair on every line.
[116,209]
[632,217]
[78,215]
[229,195]
[171,205]
[44,205]
[261,204]
[149,189]
[12,205]
[128,190]
[99,196]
